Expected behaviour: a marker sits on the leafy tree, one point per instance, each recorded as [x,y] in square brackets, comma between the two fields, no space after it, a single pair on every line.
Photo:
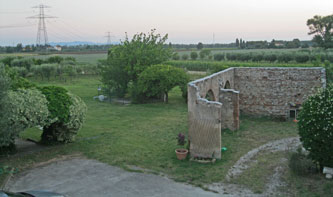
[322,29]
[19,47]
[157,80]
[126,61]
[237,43]
[272,44]
[199,46]
[175,56]
[204,53]
[194,55]
[185,56]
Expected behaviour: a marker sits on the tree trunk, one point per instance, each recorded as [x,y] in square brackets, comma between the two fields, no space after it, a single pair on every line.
[166,97]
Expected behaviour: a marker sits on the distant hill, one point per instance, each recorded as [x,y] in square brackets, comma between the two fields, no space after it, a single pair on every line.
[77,43]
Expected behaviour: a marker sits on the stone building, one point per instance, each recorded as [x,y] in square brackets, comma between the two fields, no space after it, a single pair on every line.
[215,101]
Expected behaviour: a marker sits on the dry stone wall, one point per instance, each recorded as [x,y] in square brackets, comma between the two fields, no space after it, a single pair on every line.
[275,91]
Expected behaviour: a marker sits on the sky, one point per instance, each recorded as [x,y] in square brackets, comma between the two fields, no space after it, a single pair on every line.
[185,21]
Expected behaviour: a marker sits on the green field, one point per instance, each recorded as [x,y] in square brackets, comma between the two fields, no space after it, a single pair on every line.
[80,58]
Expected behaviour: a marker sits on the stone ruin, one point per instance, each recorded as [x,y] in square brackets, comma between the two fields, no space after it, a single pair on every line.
[215,101]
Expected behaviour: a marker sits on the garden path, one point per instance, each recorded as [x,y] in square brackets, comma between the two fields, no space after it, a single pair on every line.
[84,177]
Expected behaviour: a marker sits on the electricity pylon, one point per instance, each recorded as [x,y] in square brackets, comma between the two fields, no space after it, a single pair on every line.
[41,32]
[109,38]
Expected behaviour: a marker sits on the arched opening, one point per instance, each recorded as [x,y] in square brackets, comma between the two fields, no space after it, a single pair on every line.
[210,95]
[227,85]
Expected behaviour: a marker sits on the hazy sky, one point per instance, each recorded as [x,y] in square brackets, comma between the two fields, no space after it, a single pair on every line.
[186,21]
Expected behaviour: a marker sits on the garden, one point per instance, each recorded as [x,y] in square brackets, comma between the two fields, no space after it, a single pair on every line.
[144,135]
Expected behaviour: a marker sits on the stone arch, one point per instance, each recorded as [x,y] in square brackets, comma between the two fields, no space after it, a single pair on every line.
[227,85]
[210,95]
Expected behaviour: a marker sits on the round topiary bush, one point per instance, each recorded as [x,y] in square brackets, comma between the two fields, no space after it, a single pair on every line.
[22,109]
[316,126]
[67,115]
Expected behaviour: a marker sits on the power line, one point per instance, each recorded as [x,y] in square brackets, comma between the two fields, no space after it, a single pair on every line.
[41,32]
[14,26]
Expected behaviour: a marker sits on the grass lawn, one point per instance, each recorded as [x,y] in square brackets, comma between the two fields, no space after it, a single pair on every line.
[144,135]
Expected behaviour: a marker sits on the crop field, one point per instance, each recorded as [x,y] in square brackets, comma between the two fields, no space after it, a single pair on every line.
[215,66]
[91,58]
[236,50]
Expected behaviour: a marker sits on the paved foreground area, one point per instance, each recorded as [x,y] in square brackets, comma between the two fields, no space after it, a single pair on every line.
[82,177]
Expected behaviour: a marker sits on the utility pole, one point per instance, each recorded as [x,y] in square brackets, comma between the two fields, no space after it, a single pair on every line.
[41,32]
[109,38]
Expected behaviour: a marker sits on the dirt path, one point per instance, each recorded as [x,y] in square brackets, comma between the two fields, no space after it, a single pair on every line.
[274,182]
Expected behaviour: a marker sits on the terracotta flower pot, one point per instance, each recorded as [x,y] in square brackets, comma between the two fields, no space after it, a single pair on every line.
[181,153]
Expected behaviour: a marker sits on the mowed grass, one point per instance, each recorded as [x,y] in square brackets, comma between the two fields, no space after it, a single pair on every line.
[144,135]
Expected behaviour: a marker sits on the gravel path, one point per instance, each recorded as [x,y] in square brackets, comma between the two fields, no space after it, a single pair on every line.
[279,145]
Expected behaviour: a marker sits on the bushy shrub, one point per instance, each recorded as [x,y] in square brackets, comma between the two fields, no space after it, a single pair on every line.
[257,57]
[22,109]
[18,82]
[302,58]
[65,131]
[243,57]
[48,70]
[26,63]
[301,165]
[285,57]
[55,59]
[231,56]
[7,60]
[21,71]
[219,57]
[157,80]
[59,102]
[4,87]
[194,55]
[204,53]
[316,126]
[4,83]
[270,57]
[218,68]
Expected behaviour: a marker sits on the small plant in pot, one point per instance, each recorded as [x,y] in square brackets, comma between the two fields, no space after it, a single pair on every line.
[181,152]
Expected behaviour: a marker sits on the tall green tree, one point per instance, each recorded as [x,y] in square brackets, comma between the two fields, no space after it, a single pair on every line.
[322,29]
[199,46]
[126,61]
[237,43]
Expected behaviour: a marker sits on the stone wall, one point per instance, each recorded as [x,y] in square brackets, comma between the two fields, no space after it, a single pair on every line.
[260,91]
[205,117]
[274,91]
[230,109]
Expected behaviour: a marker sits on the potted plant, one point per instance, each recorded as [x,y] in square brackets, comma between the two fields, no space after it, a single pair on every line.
[181,152]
